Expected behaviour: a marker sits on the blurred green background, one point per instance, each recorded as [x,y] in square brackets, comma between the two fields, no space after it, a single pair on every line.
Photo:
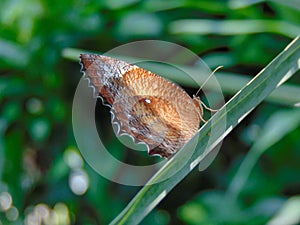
[40,164]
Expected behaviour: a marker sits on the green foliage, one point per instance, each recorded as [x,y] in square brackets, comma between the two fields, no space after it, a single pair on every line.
[255,178]
[216,129]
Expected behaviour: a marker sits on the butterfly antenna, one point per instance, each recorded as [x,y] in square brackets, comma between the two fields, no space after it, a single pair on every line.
[205,106]
[212,73]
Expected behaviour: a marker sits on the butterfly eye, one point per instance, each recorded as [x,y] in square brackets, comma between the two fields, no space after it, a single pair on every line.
[147,100]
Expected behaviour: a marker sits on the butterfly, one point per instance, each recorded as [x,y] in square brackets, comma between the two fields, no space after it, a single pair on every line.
[144,105]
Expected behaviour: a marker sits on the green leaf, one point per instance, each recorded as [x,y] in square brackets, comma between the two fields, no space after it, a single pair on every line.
[277,126]
[277,72]
[233,27]
[3,127]
[236,4]
[13,54]
[289,213]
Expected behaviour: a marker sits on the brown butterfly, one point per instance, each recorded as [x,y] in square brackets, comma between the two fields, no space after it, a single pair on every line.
[144,105]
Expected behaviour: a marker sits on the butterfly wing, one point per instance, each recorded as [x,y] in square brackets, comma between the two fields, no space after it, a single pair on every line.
[145,106]
[155,111]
